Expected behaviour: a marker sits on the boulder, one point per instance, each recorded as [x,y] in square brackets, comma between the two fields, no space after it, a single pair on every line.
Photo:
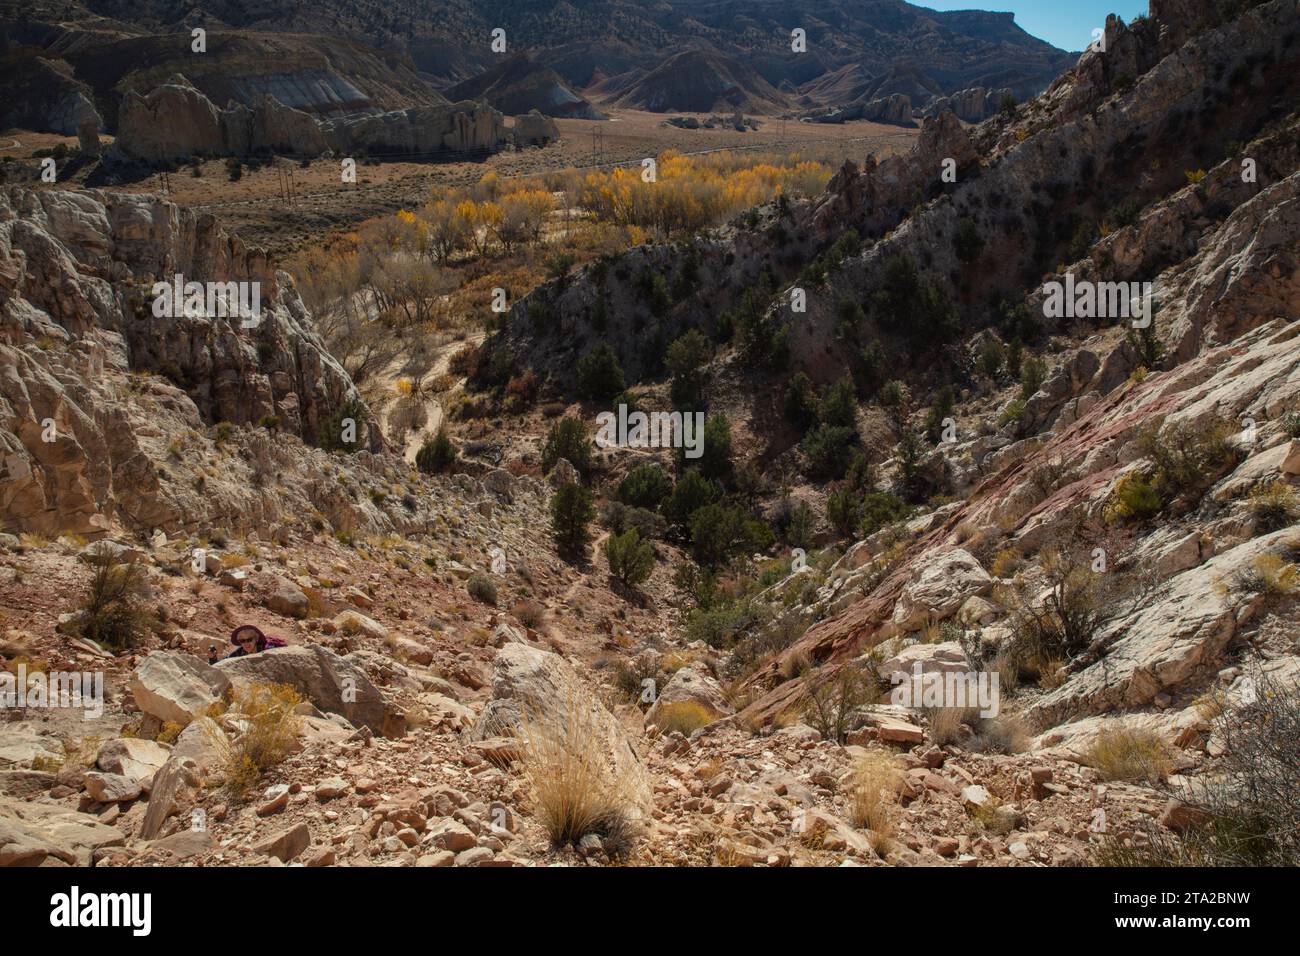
[25,784]
[133,757]
[945,658]
[499,482]
[176,687]
[563,473]
[32,834]
[174,787]
[451,835]
[354,622]
[285,597]
[1167,640]
[286,844]
[454,127]
[692,684]
[937,590]
[173,121]
[184,844]
[333,684]
[111,787]
[109,552]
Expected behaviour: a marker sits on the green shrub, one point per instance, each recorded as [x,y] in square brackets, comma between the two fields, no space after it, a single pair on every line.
[800,402]
[1085,234]
[567,439]
[880,508]
[913,307]
[831,703]
[481,588]
[334,429]
[692,492]
[437,454]
[762,336]
[850,319]
[1246,813]
[800,526]
[571,514]
[719,533]
[940,408]
[968,242]
[843,511]
[630,559]
[645,486]
[829,450]
[114,616]
[1012,413]
[1188,456]
[687,359]
[599,374]
[1274,507]
[1033,372]
[720,625]
[652,288]
[715,460]
[869,373]
[618,517]
[1135,498]
[991,358]
[839,406]
[894,399]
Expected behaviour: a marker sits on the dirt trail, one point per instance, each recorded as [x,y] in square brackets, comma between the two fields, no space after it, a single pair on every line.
[415,437]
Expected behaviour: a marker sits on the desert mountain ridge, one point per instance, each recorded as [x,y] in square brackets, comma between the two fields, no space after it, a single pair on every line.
[918,468]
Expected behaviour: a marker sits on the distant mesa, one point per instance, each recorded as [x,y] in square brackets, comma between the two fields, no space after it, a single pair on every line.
[521,85]
[698,81]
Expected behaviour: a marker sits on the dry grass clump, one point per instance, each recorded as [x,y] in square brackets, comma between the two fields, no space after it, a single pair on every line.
[1004,734]
[795,665]
[1245,813]
[872,789]
[265,731]
[1274,507]
[946,723]
[482,588]
[1006,563]
[1271,575]
[686,716]
[575,788]
[1121,753]
[529,613]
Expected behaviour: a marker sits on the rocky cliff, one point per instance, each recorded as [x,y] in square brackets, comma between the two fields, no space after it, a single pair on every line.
[96,386]
[175,121]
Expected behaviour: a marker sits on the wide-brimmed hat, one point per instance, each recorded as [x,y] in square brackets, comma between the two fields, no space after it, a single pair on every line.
[261,638]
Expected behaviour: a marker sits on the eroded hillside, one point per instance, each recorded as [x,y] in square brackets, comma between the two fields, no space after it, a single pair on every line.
[914,463]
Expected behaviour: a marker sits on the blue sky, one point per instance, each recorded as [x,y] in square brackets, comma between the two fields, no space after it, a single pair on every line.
[1067,24]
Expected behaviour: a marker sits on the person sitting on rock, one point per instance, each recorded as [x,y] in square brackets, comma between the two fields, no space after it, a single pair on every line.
[249,639]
